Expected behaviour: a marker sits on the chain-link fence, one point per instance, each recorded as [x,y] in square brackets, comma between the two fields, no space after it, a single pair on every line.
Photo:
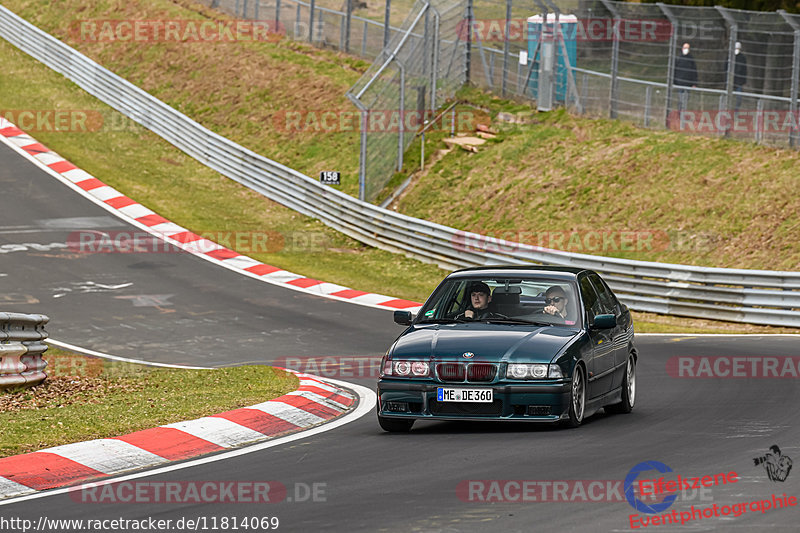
[400,91]
[325,23]
[627,61]
[599,57]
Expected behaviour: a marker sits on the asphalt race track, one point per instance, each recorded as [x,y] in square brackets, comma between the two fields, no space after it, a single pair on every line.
[166,307]
[192,312]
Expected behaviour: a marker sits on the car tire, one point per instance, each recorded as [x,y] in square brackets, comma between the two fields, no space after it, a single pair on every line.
[628,390]
[577,398]
[395,425]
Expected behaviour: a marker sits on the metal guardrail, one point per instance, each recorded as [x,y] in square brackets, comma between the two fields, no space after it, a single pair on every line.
[751,296]
[21,349]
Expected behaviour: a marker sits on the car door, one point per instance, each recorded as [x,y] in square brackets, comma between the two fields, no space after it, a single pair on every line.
[601,363]
[610,305]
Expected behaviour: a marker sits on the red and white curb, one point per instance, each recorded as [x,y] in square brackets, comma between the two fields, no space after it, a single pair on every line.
[158,226]
[314,402]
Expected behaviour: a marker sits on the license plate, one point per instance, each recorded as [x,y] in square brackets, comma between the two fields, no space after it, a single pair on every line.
[444,394]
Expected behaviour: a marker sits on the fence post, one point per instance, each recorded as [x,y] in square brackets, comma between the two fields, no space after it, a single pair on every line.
[426,40]
[236,9]
[362,155]
[759,121]
[244,9]
[470,15]
[648,95]
[364,40]
[386,23]
[722,105]
[505,49]
[733,32]
[435,59]
[347,26]
[277,14]
[613,95]
[311,21]
[671,59]
[795,73]
[297,21]
[402,111]
[257,5]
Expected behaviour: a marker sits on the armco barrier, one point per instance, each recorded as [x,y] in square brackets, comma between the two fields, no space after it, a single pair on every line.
[752,296]
[21,349]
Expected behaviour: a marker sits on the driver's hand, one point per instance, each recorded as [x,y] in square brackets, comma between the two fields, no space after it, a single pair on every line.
[551,310]
[469,313]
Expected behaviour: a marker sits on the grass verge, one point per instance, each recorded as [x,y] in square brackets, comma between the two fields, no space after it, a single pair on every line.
[87,398]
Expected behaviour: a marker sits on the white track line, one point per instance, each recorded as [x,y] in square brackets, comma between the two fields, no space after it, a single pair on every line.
[94,353]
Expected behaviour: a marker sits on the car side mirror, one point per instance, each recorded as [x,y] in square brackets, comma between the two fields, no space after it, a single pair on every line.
[402,317]
[604,322]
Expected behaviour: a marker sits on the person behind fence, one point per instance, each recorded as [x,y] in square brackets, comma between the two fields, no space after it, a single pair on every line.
[685,75]
[739,72]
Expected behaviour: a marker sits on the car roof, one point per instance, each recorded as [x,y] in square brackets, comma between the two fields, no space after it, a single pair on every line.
[533,271]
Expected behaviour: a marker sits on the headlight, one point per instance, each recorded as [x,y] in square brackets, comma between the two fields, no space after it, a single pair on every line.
[538,371]
[420,368]
[533,371]
[517,371]
[405,369]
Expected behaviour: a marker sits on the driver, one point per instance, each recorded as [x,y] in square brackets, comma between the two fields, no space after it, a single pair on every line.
[479,296]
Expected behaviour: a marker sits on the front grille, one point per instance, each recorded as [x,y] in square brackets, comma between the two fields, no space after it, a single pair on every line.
[451,371]
[469,409]
[481,372]
[466,372]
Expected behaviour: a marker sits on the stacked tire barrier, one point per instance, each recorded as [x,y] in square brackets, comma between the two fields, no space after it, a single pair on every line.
[737,295]
[21,348]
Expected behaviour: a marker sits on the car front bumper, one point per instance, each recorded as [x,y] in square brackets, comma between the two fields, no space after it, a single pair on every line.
[532,401]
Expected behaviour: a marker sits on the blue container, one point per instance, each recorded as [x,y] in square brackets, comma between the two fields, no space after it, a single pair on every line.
[569,29]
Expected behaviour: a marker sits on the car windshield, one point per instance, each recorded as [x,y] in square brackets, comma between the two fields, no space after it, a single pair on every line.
[504,301]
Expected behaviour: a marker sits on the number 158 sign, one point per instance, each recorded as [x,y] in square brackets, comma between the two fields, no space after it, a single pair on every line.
[330,177]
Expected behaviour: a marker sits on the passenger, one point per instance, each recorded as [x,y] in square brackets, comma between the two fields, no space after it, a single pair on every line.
[480,296]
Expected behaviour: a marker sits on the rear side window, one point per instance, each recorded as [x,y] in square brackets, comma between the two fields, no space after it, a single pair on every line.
[608,303]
